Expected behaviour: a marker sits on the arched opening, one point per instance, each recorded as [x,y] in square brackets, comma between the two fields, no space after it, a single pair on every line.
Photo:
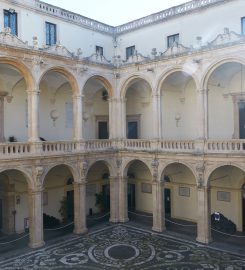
[58,201]
[139,192]
[180,199]
[227,202]
[14,207]
[178,103]
[13,104]
[96,109]
[56,107]
[139,124]
[98,193]
[226,88]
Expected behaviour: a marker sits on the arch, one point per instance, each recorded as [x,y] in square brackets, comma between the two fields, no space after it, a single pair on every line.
[127,165]
[67,74]
[107,163]
[217,166]
[72,170]
[127,82]
[26,175]
[213,66]
[162,169]
[22,68]
[106,84]
[171,71]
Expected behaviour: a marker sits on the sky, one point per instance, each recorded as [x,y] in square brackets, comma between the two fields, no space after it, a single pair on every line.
[115,12]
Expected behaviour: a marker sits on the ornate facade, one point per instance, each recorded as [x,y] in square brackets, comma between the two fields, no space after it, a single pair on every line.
[169,122]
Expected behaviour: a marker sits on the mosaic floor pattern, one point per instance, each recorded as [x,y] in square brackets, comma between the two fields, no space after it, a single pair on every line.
[124,247]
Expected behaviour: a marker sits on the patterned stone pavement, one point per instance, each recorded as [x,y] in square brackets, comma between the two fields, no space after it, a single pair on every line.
[124,247]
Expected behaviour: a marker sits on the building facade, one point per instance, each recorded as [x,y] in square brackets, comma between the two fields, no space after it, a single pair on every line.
[150,113]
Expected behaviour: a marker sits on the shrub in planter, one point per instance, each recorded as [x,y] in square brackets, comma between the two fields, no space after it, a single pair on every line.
[223,224]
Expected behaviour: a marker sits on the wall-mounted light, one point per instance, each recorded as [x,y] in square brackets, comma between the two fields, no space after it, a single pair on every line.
[177,118]
[11,10]
[17,198]
[54,116]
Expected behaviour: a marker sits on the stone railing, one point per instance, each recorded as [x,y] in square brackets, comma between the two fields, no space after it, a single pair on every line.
[225,146]
[166,14]
[14,149]
[19,150]
[59,147]
[176,146]
[74,17]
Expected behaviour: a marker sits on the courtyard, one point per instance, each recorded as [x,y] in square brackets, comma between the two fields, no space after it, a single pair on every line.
[122,247]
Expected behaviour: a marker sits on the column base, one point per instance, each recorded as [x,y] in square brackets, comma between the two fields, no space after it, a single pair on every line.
[80,231]
[36,245]
[204,240]
[157,229]
[123,220]
[114,220]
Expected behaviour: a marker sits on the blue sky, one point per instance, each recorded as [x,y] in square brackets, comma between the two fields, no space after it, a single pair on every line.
[115,12]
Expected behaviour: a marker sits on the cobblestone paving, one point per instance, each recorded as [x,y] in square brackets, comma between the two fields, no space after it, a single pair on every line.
[124,247]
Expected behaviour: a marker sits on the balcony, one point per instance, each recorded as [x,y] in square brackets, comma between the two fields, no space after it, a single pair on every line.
[195,147]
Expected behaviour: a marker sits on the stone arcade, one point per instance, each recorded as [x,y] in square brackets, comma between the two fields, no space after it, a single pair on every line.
[150,109]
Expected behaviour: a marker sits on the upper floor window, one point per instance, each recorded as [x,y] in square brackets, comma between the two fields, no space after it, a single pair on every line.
[172,39]
[99,50]
[10,20]
[243,25]
[130,51]
[50,33]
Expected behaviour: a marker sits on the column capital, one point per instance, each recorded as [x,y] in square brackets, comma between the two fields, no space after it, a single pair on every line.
[80,183]
[35,190]
[33,91]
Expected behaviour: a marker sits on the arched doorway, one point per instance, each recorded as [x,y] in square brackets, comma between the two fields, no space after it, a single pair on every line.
[13,103]
[14,207]
[178,103]
[56,107]
[139,192]
[96,109]
[98,193]
[58,200]
[139,112]
[226,88]
[227,201]
[180,198]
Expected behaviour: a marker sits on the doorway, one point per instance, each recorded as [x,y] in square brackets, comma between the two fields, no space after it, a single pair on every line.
[103,130]
[241,106]
[167,200]
[106,197]
[131,197]
[70,204]
[1,214]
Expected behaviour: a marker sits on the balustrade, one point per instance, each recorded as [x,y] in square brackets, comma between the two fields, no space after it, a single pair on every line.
[17,150]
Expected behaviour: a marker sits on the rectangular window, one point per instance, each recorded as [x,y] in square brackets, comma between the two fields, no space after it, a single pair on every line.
[172,39]
[130,51]
[99,50]
[243,25]
[10,20]
[50,33]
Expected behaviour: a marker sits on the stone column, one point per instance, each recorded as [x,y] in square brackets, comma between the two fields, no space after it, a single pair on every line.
[158,207]
[114,200]
[35,218]
[77,118]
[33,115]
[203,215]
[201,120]
[112,121]
[123,123]
[157,127]
[123,199]
[2,95]
[80,207]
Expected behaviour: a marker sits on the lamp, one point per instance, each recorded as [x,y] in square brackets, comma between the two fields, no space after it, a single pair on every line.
[177,118]
[11,10]
[54,116]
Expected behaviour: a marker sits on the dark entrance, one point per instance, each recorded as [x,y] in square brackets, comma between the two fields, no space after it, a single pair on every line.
[70,204]
[241,106]
[167,199]
[243,208]
[106,197]
[131,197]
[103,130]
[132,130]
[1,214]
